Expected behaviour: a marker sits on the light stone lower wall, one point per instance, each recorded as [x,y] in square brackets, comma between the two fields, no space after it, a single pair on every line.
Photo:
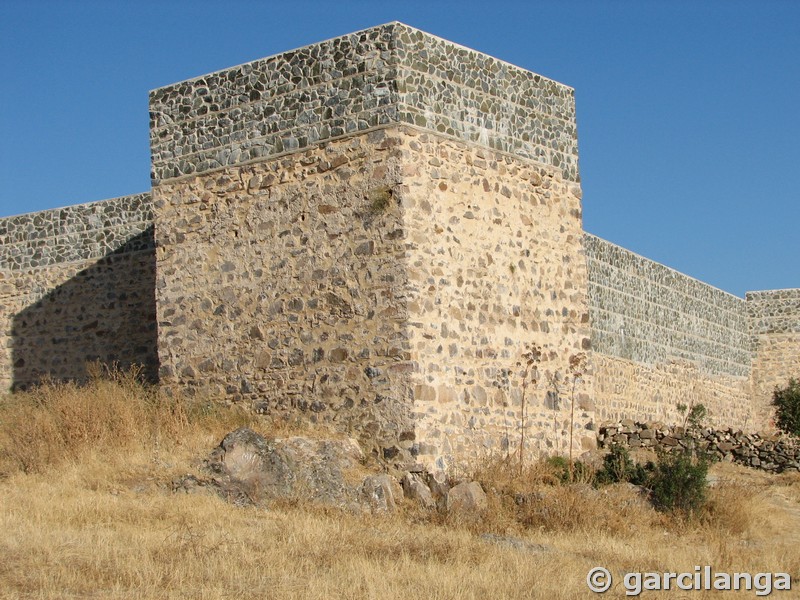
[661,338]
[775,319]
[381,284]
[495,264]
[77,285]
[626,389]
[283,284]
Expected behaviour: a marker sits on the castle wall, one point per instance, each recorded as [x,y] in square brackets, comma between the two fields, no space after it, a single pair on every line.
[775,323]
[77,285]
[391,74]
[371,232]
[660,338]
[286,193]
[494,254]
[381,284]
[283,284]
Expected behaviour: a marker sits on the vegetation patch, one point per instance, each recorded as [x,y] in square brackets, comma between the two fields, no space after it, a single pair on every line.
[87,509]
[787,407]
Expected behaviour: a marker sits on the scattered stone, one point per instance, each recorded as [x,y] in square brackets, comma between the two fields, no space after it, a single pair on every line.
[415,489]
[514,542]
[467,498]
[382,492]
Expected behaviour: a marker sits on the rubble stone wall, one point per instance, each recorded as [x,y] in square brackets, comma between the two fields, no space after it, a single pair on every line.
[282,283]
[775,322]
[77,285]
[316,210]
[661,338]
[768,452]
[495,266]
[383,284]
[391,74]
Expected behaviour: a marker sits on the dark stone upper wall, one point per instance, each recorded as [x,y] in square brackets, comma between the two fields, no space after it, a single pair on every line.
[74,233]
[387,74]
[645,312]
[464,93]
[774,311]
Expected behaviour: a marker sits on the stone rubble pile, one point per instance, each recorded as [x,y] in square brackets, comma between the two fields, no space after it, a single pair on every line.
[250,469]
[774,453]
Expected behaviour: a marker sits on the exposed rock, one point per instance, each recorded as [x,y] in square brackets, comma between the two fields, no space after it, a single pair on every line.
[294,468]
[381,492]
[415,489]
[467,498]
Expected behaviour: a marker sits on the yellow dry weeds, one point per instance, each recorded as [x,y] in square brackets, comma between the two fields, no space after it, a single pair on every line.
[95,517]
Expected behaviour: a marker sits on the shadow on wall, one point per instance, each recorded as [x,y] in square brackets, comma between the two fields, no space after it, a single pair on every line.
[106,313]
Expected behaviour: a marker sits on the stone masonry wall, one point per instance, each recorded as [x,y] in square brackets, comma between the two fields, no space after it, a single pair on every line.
[768,452]
[660,338]
[775,323]
[382,284]
[286,190]
[389,74]
[77,285]
[494,254]
[282,284]
[371,231]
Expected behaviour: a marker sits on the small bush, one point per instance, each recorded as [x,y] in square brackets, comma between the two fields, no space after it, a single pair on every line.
[678,482]
[787,407]
[380,198]
[619,467]
[581,473]
[694,415]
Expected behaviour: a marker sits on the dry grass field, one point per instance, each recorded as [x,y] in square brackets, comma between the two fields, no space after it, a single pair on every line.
[87,511]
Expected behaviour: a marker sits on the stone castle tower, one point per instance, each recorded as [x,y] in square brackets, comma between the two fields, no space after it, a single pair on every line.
[372,231]
[385,223]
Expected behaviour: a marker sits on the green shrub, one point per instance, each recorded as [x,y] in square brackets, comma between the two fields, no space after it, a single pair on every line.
[678,482]
[618,467]
[580,471]
[787,407]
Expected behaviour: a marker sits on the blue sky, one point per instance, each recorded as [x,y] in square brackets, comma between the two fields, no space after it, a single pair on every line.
[688,112]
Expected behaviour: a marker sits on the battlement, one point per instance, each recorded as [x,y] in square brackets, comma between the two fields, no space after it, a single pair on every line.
[390,74]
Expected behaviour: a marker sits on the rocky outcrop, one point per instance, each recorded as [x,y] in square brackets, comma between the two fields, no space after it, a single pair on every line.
[248,468]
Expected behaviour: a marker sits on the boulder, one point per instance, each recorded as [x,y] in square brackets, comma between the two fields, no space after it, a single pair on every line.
[295,468]
[467,498]
[439,487]
[415,489]
[382,493]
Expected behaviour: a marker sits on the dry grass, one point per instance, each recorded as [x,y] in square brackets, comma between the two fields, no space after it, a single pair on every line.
[59,422]
[93,516]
